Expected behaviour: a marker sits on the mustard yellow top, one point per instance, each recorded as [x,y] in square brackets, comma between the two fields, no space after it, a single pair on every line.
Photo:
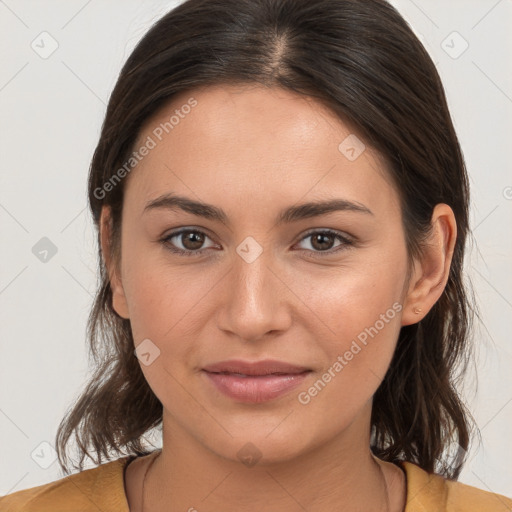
[102,488]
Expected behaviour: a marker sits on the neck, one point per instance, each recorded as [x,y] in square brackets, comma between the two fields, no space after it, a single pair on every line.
[340,474]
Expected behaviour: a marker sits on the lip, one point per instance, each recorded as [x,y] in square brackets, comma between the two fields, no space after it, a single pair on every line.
[255,381]
[255,368]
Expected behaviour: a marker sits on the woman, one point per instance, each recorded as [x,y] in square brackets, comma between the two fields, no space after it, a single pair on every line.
[282,209]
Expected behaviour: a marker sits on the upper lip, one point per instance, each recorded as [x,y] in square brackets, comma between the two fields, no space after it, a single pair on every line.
[264,367]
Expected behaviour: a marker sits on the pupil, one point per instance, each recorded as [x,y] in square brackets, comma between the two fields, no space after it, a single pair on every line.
[321,239]
[193,240]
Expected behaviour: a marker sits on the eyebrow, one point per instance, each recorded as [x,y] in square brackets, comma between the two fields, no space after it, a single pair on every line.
[290,214]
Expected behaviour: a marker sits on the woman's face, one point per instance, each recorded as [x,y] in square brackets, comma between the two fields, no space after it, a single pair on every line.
[267,273]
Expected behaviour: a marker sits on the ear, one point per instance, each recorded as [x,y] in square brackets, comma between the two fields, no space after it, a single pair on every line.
[119,302]
[431,271]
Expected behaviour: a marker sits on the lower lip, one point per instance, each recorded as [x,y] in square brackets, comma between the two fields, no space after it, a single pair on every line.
[255,389]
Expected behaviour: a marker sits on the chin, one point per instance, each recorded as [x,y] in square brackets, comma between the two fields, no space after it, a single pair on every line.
[261,446]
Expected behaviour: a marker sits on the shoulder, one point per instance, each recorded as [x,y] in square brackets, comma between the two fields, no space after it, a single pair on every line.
[100,488]
[432,493]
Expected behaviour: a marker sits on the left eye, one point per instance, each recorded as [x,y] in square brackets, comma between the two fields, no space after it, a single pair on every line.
[323,241]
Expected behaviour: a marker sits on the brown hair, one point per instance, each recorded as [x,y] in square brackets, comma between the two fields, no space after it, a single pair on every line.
[361,59]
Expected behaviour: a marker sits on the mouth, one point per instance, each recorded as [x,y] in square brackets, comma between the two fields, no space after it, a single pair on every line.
[255,382]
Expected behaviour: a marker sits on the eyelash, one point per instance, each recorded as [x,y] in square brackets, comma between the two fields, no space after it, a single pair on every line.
[346,242]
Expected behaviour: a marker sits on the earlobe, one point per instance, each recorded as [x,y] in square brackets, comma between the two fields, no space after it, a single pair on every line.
[432,270]
[119,302]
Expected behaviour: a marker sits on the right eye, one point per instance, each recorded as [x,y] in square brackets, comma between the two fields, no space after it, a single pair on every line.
[189,239]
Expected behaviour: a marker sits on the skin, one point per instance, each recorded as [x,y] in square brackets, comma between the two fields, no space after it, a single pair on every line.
[253,152]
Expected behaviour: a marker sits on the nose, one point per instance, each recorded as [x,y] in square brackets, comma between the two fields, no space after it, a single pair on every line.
[255,300]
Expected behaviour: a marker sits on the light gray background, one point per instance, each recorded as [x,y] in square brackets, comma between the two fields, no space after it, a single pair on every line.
[51,111]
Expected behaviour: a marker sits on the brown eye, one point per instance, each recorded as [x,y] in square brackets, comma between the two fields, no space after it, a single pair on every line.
[187,242]
[322,241]
[192,240]
[326,241]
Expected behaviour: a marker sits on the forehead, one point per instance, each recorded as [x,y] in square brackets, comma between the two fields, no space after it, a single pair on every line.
[255,141]
[229,115]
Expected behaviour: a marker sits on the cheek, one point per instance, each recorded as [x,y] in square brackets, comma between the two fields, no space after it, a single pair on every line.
[357,356]
[353,297]
[161,299]
[358,319]
[168,305]
[163,306]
